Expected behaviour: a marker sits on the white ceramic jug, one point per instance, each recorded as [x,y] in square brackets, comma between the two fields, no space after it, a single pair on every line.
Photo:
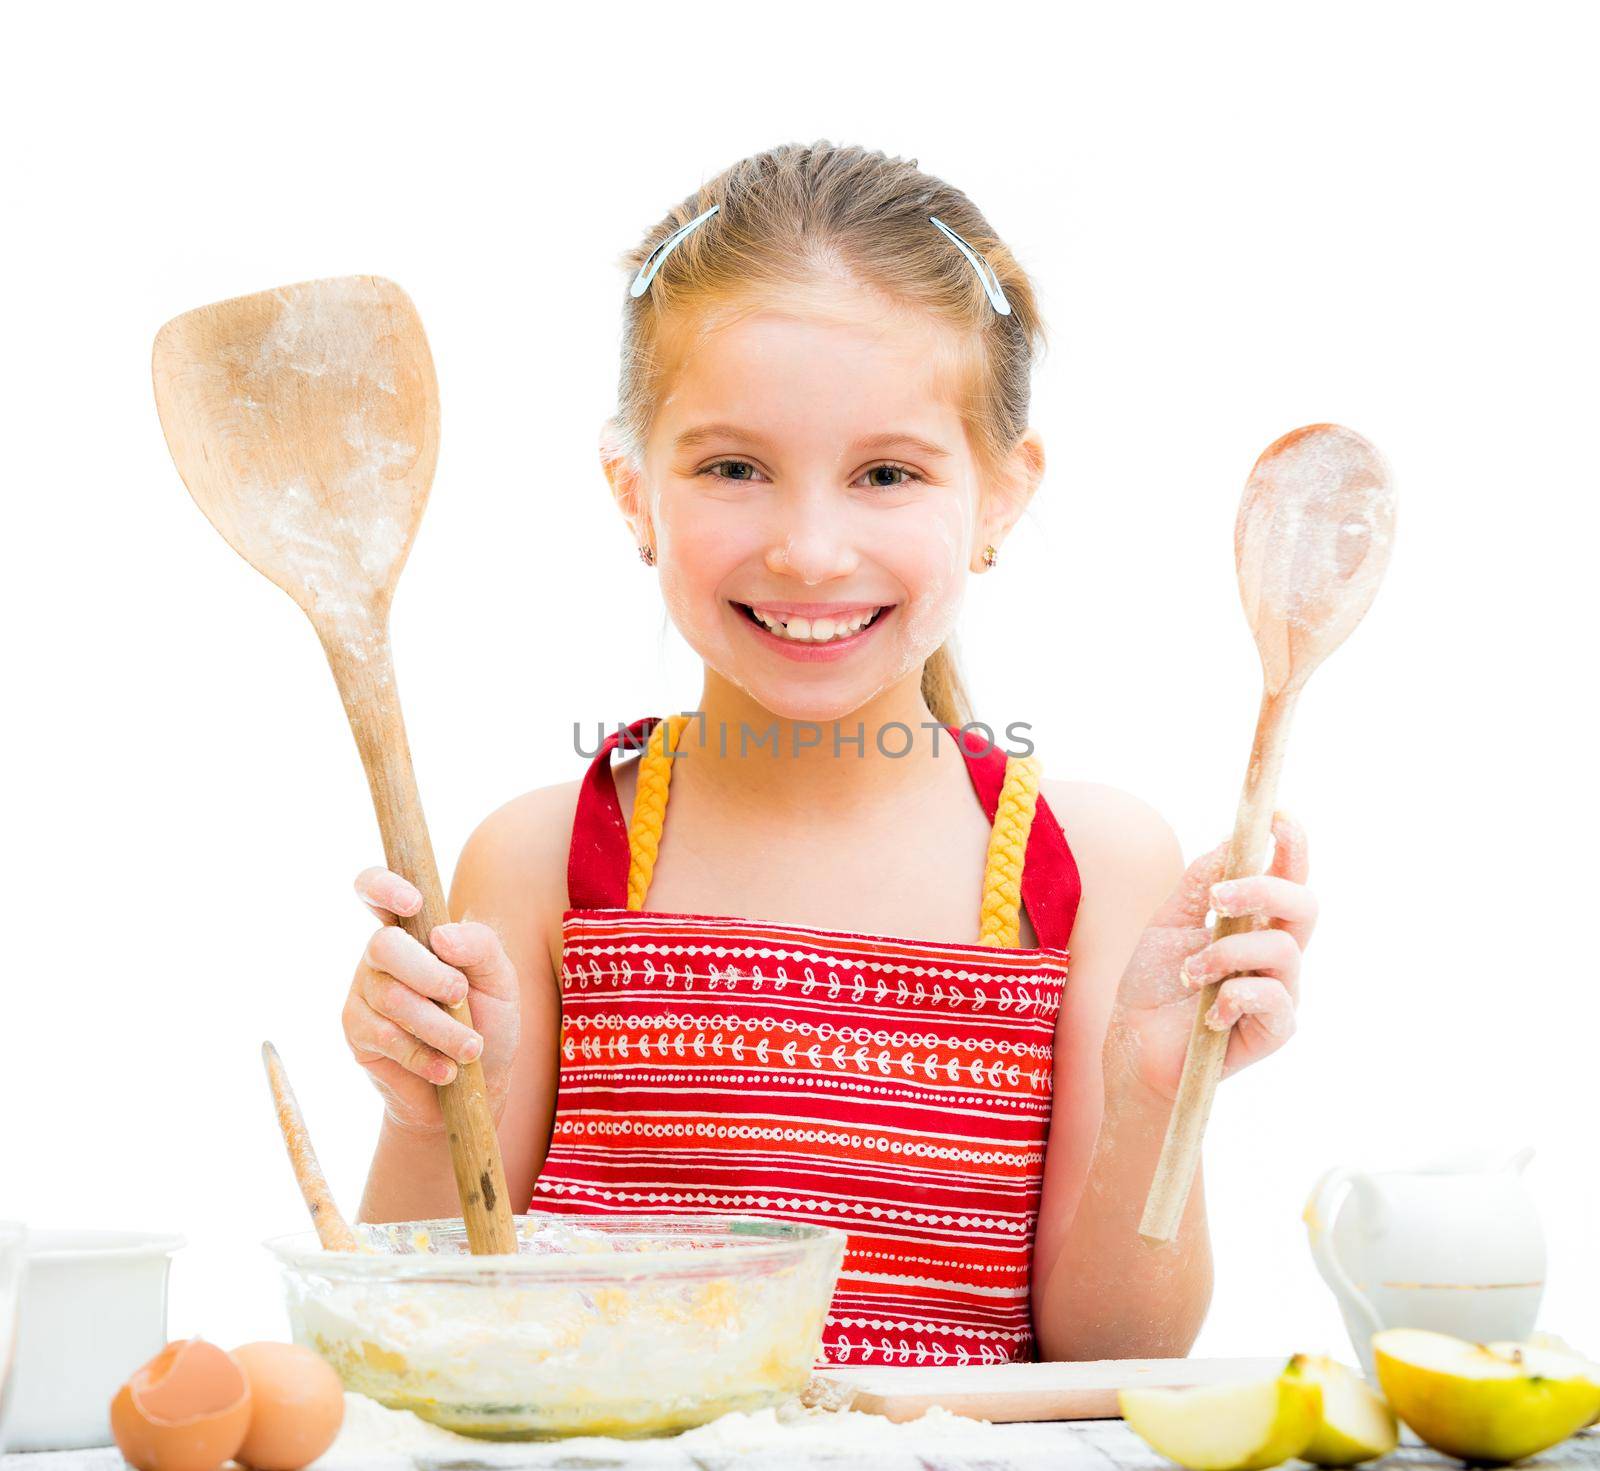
[1455,1247]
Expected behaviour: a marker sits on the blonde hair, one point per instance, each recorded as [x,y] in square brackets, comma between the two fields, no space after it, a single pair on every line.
[800,211]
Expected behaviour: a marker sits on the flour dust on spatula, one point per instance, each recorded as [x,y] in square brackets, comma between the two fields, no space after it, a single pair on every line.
[344,525]
[322,402]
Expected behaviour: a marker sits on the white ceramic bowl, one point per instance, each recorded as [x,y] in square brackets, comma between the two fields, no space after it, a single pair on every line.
[13,1239]
[94,1307]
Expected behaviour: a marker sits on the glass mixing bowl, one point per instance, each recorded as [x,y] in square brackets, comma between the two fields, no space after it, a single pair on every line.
[620,1325]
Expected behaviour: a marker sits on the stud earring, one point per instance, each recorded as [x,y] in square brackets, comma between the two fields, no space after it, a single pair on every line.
[647,555]
[990,556]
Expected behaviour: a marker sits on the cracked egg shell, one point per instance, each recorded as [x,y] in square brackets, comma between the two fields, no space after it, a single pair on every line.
[187,1409]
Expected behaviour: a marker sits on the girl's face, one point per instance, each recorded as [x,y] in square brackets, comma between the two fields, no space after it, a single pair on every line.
[812,499]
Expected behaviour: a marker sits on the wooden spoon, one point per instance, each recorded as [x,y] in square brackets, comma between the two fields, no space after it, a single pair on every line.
[305,423]
[333,1231]
[1312,544]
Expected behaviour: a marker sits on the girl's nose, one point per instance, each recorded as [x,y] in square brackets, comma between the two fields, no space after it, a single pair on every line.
[812,544]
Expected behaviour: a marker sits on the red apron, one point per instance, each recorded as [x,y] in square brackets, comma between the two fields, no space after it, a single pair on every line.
[898,1089]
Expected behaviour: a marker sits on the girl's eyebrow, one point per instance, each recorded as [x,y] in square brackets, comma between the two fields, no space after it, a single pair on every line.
[701,433]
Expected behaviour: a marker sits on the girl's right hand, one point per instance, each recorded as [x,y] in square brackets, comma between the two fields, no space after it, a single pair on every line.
[408,1044]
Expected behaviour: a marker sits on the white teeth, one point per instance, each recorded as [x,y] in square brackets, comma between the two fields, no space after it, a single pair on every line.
[819,630]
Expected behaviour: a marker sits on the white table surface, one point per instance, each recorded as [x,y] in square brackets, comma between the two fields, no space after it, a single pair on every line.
[1094,1445]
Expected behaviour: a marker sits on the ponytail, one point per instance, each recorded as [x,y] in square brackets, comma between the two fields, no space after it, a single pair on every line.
[942,687]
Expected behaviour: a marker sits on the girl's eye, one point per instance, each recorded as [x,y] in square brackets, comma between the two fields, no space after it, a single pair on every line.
[906,476]
[731,470]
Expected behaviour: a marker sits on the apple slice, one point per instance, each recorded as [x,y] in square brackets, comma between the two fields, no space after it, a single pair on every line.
[1469,1400]
[1356,1424]
[1227,1427]
[1551,1358]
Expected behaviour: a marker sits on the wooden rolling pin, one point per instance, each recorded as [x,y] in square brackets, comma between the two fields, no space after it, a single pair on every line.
[1010,1393]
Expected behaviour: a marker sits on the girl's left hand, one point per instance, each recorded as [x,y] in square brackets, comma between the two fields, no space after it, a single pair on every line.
[1153,1014]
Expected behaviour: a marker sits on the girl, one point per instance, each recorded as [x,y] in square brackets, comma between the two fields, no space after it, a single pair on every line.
[830,981]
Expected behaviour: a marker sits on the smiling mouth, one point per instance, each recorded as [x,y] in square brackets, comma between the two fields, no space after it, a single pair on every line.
[813,630]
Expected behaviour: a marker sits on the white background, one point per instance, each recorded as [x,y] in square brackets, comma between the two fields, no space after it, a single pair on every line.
[1241,218]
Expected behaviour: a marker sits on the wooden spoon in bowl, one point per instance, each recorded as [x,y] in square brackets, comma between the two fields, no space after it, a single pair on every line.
[305,423]
[1312,544]
[333,1231]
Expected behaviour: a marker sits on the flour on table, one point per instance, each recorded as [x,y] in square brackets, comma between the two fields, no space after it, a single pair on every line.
[373,1433]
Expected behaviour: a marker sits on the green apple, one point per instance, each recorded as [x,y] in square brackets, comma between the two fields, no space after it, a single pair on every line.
[1228,1427]
[1472,1401]
[1356,1424]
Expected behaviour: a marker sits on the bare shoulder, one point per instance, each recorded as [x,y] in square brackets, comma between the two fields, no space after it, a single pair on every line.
[532,828]
[1127,853]
[512,872]
[1108,825]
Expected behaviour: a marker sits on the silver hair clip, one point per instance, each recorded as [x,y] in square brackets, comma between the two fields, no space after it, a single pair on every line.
[991,282]
[652,262]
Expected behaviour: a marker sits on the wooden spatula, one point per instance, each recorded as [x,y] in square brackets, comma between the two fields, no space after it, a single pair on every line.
[1312,544]
[305,423]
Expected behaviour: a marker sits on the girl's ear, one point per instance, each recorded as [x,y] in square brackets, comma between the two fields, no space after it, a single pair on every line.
[1007,497]
[627,483]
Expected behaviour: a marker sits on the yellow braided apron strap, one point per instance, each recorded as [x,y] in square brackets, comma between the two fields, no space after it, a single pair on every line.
[650,806]
[1000,920]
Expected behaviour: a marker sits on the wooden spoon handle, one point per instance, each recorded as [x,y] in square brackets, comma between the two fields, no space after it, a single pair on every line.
[364,671]
[1202,1064]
